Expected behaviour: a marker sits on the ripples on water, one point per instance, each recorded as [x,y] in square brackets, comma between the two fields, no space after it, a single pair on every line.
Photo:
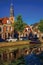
[34,59]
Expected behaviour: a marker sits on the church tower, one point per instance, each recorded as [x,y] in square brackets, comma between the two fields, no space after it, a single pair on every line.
[11,18]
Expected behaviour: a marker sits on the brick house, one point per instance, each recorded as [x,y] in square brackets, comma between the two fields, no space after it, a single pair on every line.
[6,28]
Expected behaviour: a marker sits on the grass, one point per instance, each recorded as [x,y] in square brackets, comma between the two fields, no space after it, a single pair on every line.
[3,44]
[9,46]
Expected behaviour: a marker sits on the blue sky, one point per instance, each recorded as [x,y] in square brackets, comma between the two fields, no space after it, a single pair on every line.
[31,10]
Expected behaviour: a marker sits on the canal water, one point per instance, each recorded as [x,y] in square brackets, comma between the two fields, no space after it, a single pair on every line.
[34,59]
[31,59]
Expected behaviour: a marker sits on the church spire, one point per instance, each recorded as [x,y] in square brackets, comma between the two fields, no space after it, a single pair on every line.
[11,10]
[11,18]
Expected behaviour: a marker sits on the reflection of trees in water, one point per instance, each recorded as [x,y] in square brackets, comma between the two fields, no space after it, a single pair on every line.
[19,61]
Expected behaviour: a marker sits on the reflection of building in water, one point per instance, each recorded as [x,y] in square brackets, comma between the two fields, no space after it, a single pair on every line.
[13,53]
[6,28]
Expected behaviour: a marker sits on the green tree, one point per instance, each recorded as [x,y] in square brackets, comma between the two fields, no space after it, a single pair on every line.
[19,24]
[40,26]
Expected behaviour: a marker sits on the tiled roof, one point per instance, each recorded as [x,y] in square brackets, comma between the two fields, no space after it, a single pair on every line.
[4,20]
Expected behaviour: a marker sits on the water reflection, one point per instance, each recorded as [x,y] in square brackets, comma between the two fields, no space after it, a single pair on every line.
[30,59]
[34,59]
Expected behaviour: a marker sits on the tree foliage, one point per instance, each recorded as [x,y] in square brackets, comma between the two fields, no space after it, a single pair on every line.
[19,24]
[40,27]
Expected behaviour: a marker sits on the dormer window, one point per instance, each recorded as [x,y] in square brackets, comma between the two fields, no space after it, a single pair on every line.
[8,22]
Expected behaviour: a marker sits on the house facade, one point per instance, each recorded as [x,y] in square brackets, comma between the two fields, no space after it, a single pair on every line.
[27,30]
[6,28]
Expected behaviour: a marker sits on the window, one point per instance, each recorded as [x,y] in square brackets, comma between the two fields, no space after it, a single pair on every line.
[11,28]
[0,29]
[0,21]
[0,35]
[7,28]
